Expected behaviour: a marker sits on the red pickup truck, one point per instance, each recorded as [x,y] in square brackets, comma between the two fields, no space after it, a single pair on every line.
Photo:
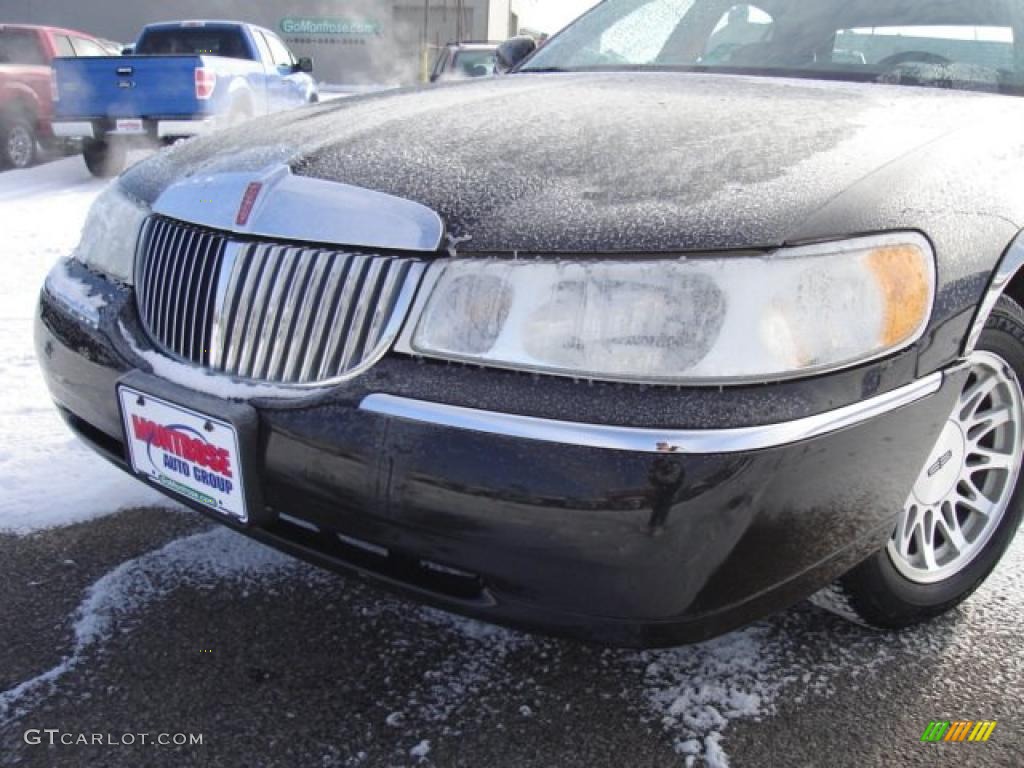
[26,90]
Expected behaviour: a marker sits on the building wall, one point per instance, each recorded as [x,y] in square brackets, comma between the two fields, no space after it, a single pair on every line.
[499,19]
[351,41]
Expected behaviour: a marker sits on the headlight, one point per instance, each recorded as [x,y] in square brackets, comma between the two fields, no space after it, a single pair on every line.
[700,320]
[111,234]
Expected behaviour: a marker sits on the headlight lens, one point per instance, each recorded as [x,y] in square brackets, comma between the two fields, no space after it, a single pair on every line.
[111,234]
[703,320]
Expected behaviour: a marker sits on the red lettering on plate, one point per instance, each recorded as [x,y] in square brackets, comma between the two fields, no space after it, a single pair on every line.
[184,447]
[143,428]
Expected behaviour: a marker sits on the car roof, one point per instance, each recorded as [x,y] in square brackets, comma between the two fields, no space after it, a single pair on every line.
[43,28]
[186,23]
[475,45]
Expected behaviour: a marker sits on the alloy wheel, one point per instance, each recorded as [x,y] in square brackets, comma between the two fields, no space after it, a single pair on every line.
[966,486]
[20,146]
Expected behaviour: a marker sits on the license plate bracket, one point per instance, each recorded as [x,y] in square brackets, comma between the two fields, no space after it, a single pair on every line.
[197,448]
[129,126]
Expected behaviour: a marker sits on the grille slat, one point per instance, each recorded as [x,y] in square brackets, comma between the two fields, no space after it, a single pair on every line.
[285,337]
[153,277]
[168,282]
[273,309]
[255,333]
[247,310]
[162,288]
[185,295]
[315,351]
[310,303]
[344,307]
[206,291]
[368,294]
[266,311]
[154,272]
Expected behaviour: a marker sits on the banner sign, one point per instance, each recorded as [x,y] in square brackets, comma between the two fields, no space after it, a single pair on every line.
[309,27]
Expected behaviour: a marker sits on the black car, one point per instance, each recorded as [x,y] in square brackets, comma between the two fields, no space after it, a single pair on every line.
[643,341]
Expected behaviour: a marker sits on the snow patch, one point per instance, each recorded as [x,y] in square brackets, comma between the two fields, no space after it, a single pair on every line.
[200,380]
[204,558]
[421,750]
[76,295]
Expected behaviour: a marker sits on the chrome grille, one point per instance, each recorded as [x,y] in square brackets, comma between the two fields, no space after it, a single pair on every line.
[268,311]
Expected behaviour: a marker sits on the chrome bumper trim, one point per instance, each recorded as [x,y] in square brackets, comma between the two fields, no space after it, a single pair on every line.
[180,128]
[74,130]
[640,440]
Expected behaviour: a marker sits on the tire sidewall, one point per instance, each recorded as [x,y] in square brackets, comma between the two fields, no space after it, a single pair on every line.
[104,159]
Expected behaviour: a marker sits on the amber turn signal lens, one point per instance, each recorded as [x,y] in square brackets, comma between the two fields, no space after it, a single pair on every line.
[903,276]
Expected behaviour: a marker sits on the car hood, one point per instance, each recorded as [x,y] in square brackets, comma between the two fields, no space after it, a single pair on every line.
[610,163]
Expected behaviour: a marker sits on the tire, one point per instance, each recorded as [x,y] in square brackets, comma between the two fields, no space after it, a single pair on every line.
[104,159]
[19,145]
[900,586]
[241,111]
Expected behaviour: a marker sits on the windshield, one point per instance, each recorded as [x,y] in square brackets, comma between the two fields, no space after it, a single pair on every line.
[965,44]
[475,63]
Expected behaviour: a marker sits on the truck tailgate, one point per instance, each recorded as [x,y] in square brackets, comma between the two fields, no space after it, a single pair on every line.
[127,86]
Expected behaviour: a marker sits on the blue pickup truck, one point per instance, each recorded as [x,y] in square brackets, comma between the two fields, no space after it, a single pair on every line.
[182,79]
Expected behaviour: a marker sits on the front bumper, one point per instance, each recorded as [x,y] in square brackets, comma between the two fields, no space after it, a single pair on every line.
[674,538]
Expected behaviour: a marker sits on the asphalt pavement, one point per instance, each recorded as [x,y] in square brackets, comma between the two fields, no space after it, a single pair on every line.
[153,623]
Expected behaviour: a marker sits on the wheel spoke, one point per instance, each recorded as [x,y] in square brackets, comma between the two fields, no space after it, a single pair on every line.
[908,524]
[984,423]
[972,398]
[926,546]
[991,459]
[951,531]
[980,504]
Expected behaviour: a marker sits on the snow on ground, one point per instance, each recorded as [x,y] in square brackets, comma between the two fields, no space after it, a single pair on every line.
[47,478]
[123,593]
[693,693]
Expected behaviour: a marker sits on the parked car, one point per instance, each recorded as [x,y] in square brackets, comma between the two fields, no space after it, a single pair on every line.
[623,345]
[182,79]
[458,61]
[26,101]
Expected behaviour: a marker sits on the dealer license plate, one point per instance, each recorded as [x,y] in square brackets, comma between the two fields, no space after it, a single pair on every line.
[190,453]
[130,126]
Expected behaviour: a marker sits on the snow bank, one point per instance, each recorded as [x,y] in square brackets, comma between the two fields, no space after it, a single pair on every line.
[47,478]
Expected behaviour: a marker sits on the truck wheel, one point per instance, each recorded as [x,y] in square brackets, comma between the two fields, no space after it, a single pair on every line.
[104,158]
[18,145]
[241,111]
[965,507]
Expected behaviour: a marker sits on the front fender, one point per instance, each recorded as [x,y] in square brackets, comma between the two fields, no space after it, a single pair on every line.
[1005,274]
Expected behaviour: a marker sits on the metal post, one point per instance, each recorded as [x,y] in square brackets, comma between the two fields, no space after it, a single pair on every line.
[425,63]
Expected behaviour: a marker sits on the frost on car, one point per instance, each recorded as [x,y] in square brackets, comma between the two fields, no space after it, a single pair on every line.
[701,311]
